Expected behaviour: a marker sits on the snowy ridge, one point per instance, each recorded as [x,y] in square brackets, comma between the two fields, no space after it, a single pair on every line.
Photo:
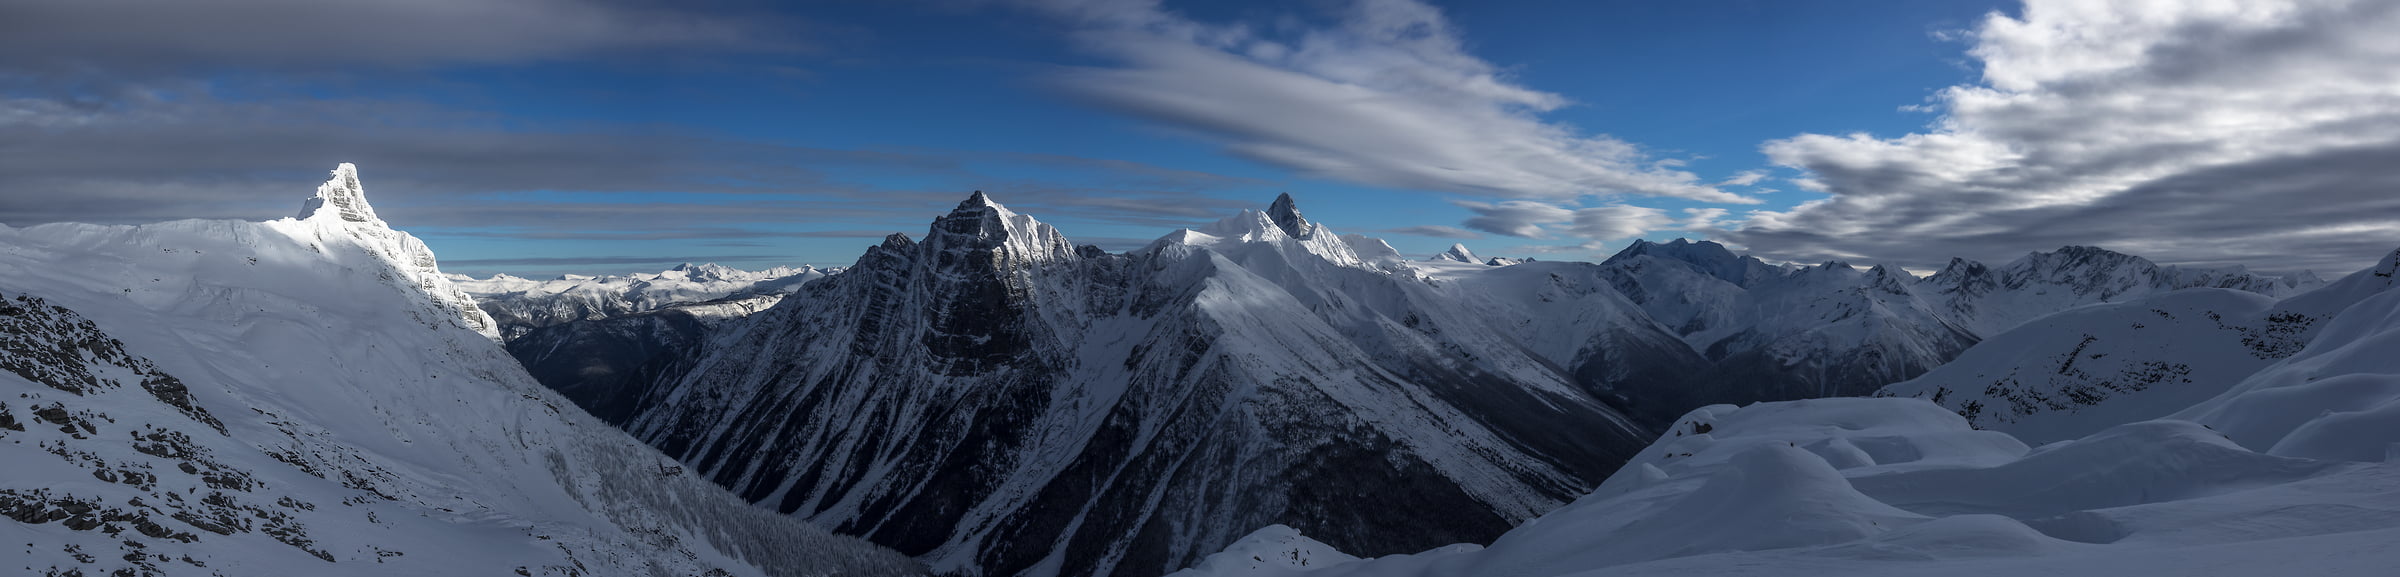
[1991,300]
[1758,331]
[306,396]
[523,305]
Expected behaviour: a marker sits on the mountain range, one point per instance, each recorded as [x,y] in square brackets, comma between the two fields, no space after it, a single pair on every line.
[996,400]
[1257,396]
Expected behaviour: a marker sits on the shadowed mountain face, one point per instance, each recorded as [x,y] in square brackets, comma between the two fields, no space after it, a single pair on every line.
[995,399]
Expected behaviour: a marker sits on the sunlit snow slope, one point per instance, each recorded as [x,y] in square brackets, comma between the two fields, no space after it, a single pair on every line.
[310,396]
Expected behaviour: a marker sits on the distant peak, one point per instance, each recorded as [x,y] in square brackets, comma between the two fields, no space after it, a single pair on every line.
[340,197]
[978,215]
[1286,215]
[1960,270]
[2081,252]
[1458,253]
[978,201]
[1704,253]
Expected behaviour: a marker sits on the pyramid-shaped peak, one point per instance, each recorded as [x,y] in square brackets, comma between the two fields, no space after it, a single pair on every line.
[979,201]
[1458,253]
[341,197]
[1286,215]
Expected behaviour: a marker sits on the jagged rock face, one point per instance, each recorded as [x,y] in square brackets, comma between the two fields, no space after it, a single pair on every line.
[351,221]
[996,401]
[344,196]
[1287,216]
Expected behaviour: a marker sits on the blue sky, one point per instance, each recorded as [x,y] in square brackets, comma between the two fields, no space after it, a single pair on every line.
[1708,81]
[599,136]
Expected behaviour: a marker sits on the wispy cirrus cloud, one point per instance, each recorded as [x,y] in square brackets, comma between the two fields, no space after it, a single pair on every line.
[1387,95]
[1435,231]
[169,36]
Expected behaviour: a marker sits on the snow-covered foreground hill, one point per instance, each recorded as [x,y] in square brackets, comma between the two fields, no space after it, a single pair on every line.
[311,396]
[521,305]
[2288,471]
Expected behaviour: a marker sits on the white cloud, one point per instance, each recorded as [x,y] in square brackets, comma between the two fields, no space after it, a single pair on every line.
[1618,221]
[1744,178]
[1539,220]
[1388,96]
[1701,219]
[2202,132]
[1517,218]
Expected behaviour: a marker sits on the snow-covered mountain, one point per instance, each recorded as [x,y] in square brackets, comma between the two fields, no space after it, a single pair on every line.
[310,396]
[1770,332]
[1990,300]
[994,399]
[521,305]
[999,401]
[2076,372]
[1459,253]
